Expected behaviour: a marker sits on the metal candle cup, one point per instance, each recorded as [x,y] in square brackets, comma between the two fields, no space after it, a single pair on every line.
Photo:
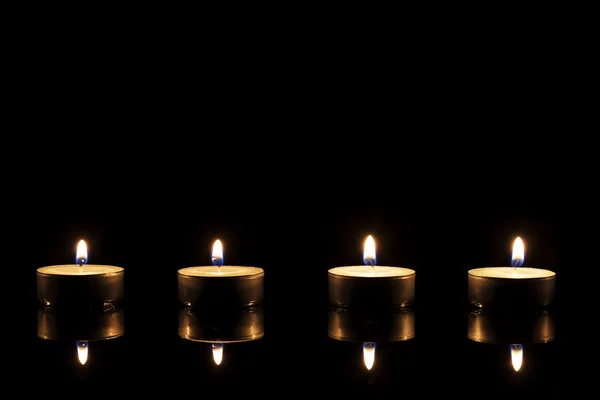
[80,285]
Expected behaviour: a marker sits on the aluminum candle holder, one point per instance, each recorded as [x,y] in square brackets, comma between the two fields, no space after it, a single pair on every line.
[80,285]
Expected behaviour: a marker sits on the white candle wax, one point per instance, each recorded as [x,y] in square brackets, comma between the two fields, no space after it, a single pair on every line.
[76,270]
[366,271]
[511,272]
[224,271]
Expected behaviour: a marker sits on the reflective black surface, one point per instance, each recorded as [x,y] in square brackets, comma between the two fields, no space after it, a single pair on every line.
[295,349]
[294,343]
[296,215]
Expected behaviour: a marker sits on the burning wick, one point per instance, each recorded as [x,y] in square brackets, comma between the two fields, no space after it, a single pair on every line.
[217,254]
[369,252]
[81,256]
[518,254]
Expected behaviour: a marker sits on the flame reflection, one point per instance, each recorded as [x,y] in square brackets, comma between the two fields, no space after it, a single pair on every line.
[217,351]
[369,354]
[82,351]
[516,355]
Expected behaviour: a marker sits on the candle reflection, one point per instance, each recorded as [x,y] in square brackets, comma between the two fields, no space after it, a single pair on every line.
[80,327]
[512,329]
[370,328]
[218,327]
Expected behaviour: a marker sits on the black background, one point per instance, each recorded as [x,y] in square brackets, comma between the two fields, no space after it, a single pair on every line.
[444,148]
[295,224]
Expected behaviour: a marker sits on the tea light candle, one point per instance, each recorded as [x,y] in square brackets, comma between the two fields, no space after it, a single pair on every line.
[370,284]
[81,284]
[514,286]
[220,285]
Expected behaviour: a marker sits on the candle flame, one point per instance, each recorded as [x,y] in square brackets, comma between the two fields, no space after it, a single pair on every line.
[369,257]
[82,351]
[217,253]
[516,355]
[217,350]
[369,354]
[518,255]
[81,255]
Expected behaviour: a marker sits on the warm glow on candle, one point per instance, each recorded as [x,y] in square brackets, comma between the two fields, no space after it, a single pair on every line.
[217,253]
[369,257]
[518,255]
[369,354]
[516,355]
[82,351]
[81,255]
[217,350]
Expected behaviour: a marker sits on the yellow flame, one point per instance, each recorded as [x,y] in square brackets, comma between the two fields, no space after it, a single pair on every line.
[217,253]
[81,250]
[369,256]
[369,354]
[217,350]
[516,355]
[82,351]
[518,255]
